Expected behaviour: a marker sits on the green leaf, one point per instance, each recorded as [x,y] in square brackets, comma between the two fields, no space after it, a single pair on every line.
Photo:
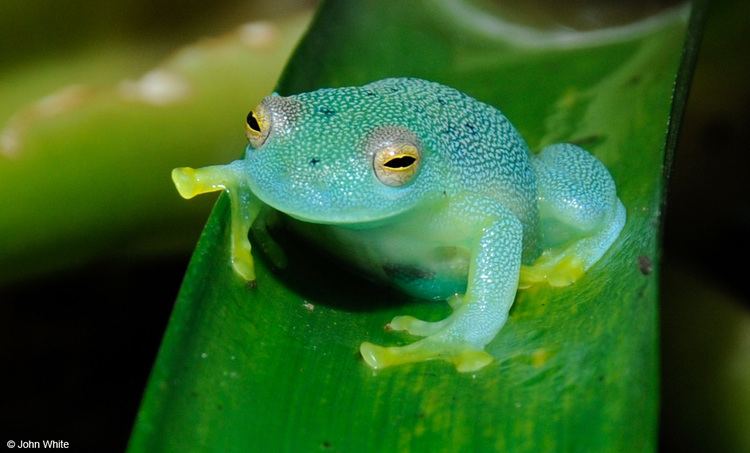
[277,368]
[82,168]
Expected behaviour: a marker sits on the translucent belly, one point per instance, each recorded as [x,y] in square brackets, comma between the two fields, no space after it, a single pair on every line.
[419,265]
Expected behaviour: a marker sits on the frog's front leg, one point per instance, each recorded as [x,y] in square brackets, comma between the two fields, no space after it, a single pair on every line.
[492,284]
[244,205]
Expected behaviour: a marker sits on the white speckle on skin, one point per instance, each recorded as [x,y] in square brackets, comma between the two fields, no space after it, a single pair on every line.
[158,87]
[204,355]
[308,306]
[258,35]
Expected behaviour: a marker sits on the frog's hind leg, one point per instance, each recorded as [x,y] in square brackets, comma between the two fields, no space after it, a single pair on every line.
[580,215]
[244,206]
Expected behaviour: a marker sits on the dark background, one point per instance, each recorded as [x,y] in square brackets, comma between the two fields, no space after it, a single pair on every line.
[78,345]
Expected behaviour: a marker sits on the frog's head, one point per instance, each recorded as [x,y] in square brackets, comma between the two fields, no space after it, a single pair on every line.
[346,155]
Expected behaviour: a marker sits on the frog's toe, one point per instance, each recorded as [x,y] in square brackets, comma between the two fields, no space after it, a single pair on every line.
[242,261]
[185,181]
[470,360]
[464,357]
[245,269]
[416,326]
[456,301]
[556,271]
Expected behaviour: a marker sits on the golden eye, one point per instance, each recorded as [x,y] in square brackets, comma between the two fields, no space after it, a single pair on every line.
[395,165]
[257,126]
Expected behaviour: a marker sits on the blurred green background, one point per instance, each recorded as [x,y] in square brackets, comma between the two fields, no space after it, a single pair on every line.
[98,101]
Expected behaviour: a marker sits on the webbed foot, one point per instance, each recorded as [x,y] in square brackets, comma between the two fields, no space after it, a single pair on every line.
[445,340]
[464,357]
[555,269]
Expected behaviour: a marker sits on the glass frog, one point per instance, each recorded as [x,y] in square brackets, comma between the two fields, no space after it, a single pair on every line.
[426,188]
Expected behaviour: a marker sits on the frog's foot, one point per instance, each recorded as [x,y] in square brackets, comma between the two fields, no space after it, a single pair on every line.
[242,259]
[464,357]
[555,269]
[451,339]
[191,182]
[416,326]
[456,301]
[420,328]
[562,267]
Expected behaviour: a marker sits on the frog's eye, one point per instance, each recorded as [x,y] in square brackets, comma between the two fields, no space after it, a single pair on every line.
[395,165]
[257,126]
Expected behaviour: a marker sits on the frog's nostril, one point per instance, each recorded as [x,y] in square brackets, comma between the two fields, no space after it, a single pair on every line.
[314,161]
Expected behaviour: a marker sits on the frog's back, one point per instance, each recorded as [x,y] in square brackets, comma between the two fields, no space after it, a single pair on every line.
[475,147]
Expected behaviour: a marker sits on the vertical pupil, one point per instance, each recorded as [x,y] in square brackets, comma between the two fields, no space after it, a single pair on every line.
[252,122]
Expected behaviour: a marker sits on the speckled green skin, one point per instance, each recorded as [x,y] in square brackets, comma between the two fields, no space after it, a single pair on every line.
[480,206]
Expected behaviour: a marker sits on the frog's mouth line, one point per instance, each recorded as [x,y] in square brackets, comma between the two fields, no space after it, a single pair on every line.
[360,221]
[357,218]
[307,210]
